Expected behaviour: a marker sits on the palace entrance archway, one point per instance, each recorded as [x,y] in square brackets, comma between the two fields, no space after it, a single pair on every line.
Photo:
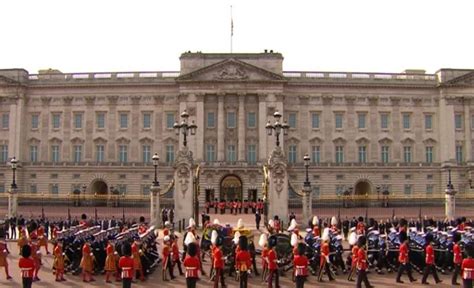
[231,188]
[100,191]
[362,191]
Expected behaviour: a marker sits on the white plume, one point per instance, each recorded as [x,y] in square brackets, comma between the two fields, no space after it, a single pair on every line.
[240,224]
[263,240]
[189,238]
[271,223]
[352,238]
[315,220]
[214,236]
[236,238]
[294,239]
[325,235]
[293,225]
[216,222]
[192,223]
[333,220]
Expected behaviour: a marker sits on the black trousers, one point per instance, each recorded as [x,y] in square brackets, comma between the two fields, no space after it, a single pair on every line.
[430,269]
[328,272]
[191,282]
[126,282]
[243,279]
[456,273]
[466,283]
[362,277]
[300,281]
[402,268]
[219,276]
[178,263]
[27,282]
[276,274]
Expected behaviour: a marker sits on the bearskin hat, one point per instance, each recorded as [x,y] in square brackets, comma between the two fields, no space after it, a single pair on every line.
[456,237]
[26,251]
[301,248]
[83,216]
[428,238]
[243,243]
[142,219]
[272,241]
[361,241]
[403,236]
[360,219]
[126,249]
[192,249]
[470,250]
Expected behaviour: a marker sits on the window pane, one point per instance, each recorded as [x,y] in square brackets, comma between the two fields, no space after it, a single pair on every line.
[169,154]
[315,120]
[362,154]
[384,120]
[406,121]
[55,153]
[210,153]
[146,120]
[123,153]
[292,120]
[458,121]
[101,120]
[34,121]
[292,157]
[146,153]
[428,122]
[385,154]
[5,120]
[123,120]
[429,154]
[251,120]
[338,117]
[407,154]
[459,156]
[361,121]
[230,119]
[3,153]
[407,189]
[252,154]
[231,153]
[100,149]
[316,154]
[56,121]
[211,120]
[170,120]
[339,154]
[77,153]
[33,153]
[78,120]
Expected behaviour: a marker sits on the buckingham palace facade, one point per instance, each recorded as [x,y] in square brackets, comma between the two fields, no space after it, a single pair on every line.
[363,131]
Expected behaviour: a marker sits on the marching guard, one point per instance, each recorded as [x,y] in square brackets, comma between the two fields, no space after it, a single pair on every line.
[243,261]
[43,239]
[354,251]
[263,242]
[166,255]
[87,261]
[467,267]
[429,261]
[403,259]
[300,262]
[35,254]
[324,258]
[272,260]
[362,264]
[58,263]
[111,261]
[217,260]
[126,264]
[175,254]
[192,265]
[137,262]
[27,266]
[457,259]
[3,256]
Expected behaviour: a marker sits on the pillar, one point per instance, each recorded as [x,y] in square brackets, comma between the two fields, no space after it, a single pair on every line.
[307,213]
[241,129]
[262,133]
[183,183]
[221,124]
[278,185]
[155,215]
[450,206]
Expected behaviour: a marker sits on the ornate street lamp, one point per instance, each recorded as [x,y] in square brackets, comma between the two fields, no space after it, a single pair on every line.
[156,160]
[278,127]
[154,195]
[450,198]
[14,163]
[306,160]
[184,127]
[306,191]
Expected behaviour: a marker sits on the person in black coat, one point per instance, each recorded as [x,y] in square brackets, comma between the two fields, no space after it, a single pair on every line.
[258,218]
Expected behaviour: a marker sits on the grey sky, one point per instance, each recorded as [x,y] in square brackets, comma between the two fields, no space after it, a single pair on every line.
[383,36]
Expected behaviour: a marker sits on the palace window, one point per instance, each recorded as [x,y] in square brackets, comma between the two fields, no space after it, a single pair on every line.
[361,120]
[123,153]
[100,120]
[99,153]
[406,120]
[123,120]
[33,189]
[55,153]
[407,154]
[211,120]
[2,188]
[231,155]
[384,117]
[252,154]
[3,153]
[146,189]
[315,120]
[170,119]
[5,120]
[458,121]
[56,121]
[340,190]
[316,192]
[339,154]
[146,149]
[292,157]
[316,154]
[429,189]
[210,153]
[146,120]
[33,153]
[338,120]
[231,120]
[362,154]
[78,120]
[429,154]
[77,153]
[54,189]
[251,120]
[169,153]
[407,189]
[428,122]
[385,154]
[459,156]
[34,121]
[292,120]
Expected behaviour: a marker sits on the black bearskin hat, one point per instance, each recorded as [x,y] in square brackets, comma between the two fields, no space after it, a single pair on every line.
[470,250]
[456,237]
[243,243]
[360,219]
[403,222]
[83,216]
[127,249]
[192,249]
[26,251]
[361,241]
[142,219]
[301,248]
[429,238]
[272,241]
[403,236]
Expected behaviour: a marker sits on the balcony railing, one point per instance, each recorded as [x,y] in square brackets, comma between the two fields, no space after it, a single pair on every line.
[345,76]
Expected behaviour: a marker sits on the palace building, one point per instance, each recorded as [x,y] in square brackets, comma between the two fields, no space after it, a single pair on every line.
[95,133]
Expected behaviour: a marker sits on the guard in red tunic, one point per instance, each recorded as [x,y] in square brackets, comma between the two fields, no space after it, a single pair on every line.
[3,256]
[324,261]
[457,259]
[362,263]
[27,266]
[263,242]
[217,260]
[276,224]
[136,253]
[403,259]
[36,254]
[126,264]
[429,261]
[43,239]
[83,223]
[355,251]
[360,228]
[167,261]
[300,262]
[111,262]
[87,261]
[243,261]
[467,267]
[215,205]
[272,260]
[58,262]
[142,228]
[192,265]
[22,239]
[175,254]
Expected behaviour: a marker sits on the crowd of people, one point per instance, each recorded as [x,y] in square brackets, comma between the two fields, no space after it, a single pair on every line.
[234,207]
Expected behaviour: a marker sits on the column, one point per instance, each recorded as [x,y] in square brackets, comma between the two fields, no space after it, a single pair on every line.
[450,206]
[199,156]
[467,130]
[135,127]
[304,125]
[446,125]
[111,123]
[241,128]
[221,123]
[89,117]
[262,133]
[65,128]
[17,118]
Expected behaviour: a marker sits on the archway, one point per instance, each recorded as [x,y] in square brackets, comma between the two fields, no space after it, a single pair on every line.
[99,187]
[362,190]
[231,188]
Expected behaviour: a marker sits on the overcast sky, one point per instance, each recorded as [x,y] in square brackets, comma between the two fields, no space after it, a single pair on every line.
[330,35]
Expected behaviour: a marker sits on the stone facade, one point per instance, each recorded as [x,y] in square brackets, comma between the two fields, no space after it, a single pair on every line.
[362,130]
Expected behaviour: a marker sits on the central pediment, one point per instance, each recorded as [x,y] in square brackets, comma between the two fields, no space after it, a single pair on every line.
[464,80]
[231,70]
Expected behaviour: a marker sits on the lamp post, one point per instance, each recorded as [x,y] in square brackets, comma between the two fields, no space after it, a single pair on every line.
[12,197]
[278,127]
[450,198]
[42,205]
[154,195]
[306,191]
[184,127]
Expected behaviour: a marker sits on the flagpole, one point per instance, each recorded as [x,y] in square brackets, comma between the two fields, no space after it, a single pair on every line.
[231,28]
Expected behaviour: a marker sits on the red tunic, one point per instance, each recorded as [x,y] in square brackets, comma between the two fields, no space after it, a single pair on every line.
[403,254]
[110,260]
[3,254]
[87,260]
[58,262]
[264,257]
[361,260]
[217,258]
[429,259]
[165,253]
[126,264]
[243,261]
[142,229]
[27,267]
[192,265]
[457,254]
[272,260]
[324,254]
[136,256]
[467,268]
[360,228]
[301,265]
[355,251]
[175,251]
[277,225]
